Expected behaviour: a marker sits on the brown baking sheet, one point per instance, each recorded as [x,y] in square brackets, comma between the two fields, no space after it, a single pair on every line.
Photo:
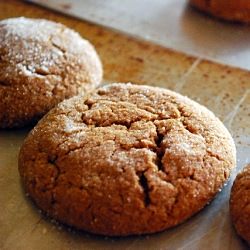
[224,90]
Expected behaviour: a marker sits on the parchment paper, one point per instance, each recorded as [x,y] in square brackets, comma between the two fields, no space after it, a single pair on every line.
[170,23]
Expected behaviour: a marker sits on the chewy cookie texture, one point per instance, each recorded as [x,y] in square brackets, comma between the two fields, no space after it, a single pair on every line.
[41,63]
[126,159]
[230,10]
[240,204]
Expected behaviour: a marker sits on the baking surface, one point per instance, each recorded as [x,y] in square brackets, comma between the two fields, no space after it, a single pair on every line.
[171,23]
[224,90]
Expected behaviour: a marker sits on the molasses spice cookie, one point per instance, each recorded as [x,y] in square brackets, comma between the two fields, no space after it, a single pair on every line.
[231,10]
[240,204]
[126,159]
[41,63]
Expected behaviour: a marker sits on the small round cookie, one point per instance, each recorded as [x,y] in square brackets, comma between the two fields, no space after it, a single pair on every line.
[240,204]
[126,159]
[41,63]
[231,10]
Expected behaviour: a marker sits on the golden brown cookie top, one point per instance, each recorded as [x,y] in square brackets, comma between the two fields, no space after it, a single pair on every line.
[41,63]
[126,159]
[240,203]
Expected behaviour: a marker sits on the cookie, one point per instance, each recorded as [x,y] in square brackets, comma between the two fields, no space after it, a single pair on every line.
[240,204]
[231,10]
[126,160]
[41,63]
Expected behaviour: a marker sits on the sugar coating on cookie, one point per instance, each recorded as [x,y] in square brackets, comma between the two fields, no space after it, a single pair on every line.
[125,160]
[231,10]
[41,64]
[240,204]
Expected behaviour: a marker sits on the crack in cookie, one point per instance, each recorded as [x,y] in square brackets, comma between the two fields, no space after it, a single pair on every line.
[144,184]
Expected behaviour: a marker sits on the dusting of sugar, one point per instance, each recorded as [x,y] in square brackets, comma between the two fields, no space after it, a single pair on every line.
[186,147]
[24,70]
[70,126]
[35,45]
[29,29]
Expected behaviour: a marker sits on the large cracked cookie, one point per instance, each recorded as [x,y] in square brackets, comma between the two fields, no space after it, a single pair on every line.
[126,159]
[41,64]
[240,204]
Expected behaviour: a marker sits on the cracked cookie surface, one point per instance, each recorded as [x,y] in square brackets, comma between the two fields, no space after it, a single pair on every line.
[41,64]
[126,159]
[240,203]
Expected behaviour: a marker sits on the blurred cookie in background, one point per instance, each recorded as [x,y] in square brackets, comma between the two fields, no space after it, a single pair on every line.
[231,10]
